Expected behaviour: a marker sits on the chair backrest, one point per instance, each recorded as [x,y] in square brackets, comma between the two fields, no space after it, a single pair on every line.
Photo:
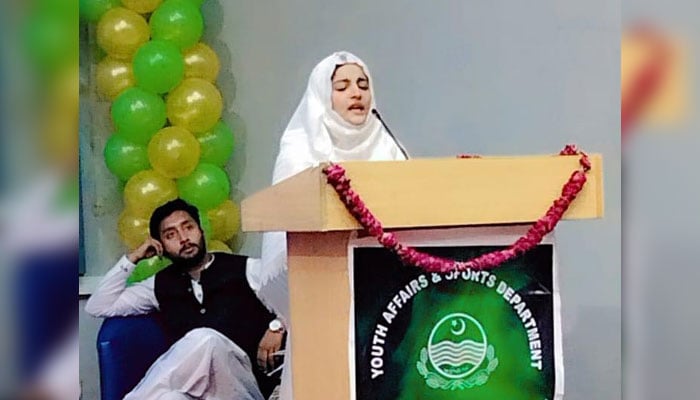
[126,348]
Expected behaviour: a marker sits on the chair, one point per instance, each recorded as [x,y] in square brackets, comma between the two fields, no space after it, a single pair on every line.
[126,348]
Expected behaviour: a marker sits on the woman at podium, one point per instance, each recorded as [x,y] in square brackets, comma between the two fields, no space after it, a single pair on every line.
[336,120]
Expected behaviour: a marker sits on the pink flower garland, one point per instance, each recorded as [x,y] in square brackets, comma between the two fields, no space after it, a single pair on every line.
[410,256]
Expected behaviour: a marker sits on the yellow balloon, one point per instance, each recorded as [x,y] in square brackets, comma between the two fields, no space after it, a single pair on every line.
[113,76]
[217,245]
[147,190]
[142,6]
[201,62]
[174,152]
[225,220]
[195,105]
[120,32]
[133,230]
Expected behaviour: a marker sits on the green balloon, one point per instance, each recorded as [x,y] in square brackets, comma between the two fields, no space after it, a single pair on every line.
[197,3]
[217,145]
[92,10]
[147,268]
[206,187]
[158,66]
[179,21]
[138,114]
[124,158]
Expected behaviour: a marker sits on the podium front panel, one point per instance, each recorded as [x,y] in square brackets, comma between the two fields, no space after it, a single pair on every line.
[365,327]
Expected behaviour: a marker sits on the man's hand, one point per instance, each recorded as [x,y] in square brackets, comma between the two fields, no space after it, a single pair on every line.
[148,249]
[270,344]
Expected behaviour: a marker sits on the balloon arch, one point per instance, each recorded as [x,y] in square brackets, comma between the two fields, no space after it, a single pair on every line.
[169,139]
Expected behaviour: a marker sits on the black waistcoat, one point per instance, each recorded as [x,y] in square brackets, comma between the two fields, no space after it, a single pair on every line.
[230,306]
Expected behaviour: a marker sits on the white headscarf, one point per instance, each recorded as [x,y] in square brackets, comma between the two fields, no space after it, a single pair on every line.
[316,133]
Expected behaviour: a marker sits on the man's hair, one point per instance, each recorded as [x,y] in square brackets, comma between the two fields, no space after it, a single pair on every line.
[166,210]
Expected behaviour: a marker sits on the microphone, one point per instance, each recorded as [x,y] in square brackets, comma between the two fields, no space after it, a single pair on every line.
[398,144]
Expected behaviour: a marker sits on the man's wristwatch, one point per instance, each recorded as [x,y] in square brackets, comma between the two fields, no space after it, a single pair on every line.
[276,326]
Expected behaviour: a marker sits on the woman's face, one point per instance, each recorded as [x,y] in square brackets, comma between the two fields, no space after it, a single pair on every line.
[351,97]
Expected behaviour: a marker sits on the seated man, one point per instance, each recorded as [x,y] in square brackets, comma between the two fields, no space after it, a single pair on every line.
[215,320]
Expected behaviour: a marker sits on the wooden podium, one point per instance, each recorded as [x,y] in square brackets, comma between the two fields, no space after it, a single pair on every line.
[416,194]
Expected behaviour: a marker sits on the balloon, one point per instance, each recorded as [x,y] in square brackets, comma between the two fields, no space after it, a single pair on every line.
[225,220]
[124,158]
[218,246]
[206,187]
[178,21]
[141,6]
[217,144]
[158,66]
[92,10]
[138,114]
[113,76]
[201,62]
[146,268]
[173,152]
[133,229]
[205,224]
[195,105]
[146,191]
[120,32]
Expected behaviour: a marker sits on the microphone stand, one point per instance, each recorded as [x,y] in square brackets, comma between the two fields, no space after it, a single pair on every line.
[398,144]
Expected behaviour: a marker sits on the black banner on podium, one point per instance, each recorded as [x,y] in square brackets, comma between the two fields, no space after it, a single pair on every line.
[476,335]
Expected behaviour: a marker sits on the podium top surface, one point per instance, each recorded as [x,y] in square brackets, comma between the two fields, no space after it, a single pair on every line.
[427,193]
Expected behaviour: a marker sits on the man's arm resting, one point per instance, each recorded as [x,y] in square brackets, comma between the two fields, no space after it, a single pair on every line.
[113,298]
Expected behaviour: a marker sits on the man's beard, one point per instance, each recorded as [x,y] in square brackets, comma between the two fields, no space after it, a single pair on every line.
[188,262]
